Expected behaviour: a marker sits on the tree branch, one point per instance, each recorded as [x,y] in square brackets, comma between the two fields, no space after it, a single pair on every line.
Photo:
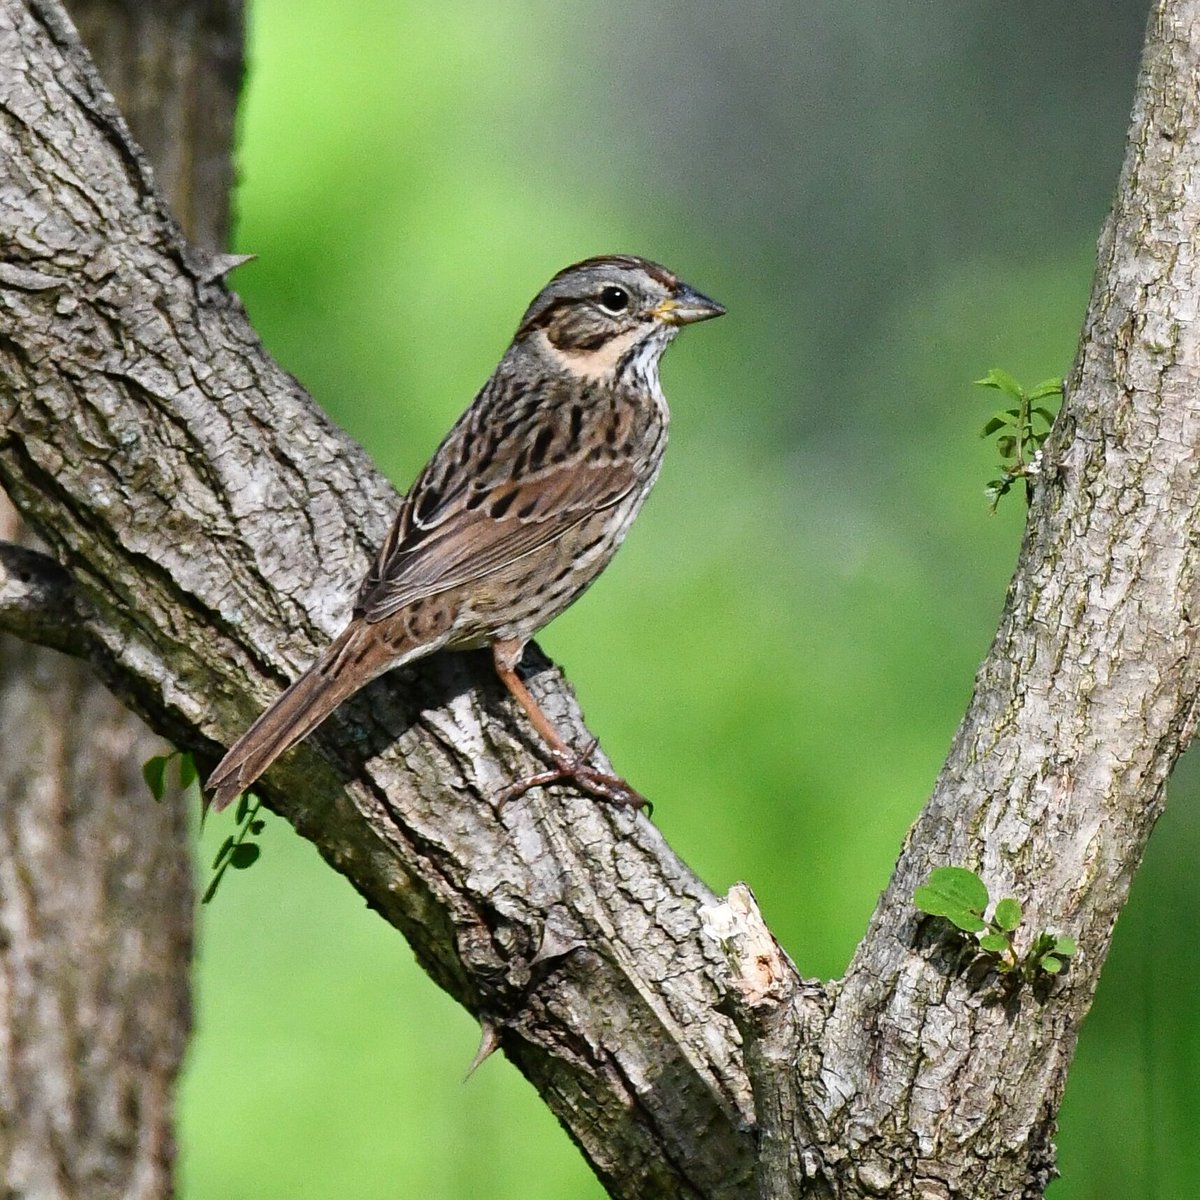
[96,902]
[927,1080]
[37,603]
[215,524]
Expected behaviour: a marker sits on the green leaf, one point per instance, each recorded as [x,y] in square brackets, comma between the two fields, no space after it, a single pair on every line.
[1042,944]
[956,894]
[1002,381]
[243,856]
[1065,947]
[243,806]
[226,846]
[1006,445]
[1050,965]
[256,827]
[187,770]
[1045,414]
[968,922]
[154,771]
[997,422]
[1048,387]
[958,888]
[1008,914]
[997,943]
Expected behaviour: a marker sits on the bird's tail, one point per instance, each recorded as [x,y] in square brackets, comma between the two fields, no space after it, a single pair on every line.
[352,660]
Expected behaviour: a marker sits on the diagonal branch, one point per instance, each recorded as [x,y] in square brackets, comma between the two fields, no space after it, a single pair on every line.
[928,1080]
[215,524]
[37,602]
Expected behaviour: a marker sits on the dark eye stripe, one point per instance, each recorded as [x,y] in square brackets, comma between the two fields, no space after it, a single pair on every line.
[594,342]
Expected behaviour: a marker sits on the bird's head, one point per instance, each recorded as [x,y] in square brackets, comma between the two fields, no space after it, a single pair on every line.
[606,315]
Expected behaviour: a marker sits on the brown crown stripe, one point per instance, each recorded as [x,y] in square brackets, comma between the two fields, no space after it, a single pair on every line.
[629,262]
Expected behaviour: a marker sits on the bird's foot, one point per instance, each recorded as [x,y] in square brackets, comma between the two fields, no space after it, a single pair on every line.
[612,789]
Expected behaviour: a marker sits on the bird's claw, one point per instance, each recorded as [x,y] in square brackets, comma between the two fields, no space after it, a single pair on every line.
[574,768]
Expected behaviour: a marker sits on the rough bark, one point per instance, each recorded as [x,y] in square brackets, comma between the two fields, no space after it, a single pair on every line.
[918,1080]
[214,525]
[95,879]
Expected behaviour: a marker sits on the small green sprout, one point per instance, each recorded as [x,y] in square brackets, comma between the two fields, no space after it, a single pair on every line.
[1020,432]
[236,850]
[154,772]
[961,897]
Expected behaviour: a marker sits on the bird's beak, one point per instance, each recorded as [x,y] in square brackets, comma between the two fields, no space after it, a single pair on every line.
[686,307]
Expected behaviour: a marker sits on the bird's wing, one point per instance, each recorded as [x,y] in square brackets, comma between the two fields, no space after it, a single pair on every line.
[448,536]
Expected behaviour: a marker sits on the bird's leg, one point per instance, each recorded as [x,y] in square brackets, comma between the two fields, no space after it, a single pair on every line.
[567,764]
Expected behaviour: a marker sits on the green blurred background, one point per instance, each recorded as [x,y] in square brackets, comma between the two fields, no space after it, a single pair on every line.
[890,200]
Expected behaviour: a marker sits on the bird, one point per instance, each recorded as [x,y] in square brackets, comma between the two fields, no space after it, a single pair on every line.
[520,508]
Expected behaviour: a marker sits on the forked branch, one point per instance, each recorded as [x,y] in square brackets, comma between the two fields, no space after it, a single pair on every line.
[214,524]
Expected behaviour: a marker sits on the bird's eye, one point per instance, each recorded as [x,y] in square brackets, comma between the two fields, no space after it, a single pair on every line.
[614,299]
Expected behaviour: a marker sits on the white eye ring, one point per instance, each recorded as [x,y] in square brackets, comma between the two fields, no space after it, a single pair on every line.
[614,299]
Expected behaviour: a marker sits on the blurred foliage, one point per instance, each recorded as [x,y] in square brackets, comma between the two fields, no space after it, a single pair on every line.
[889,201]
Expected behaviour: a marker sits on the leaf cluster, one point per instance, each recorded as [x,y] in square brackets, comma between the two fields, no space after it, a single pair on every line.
[1020,432]
[236,851]
[154,772]
[961,897]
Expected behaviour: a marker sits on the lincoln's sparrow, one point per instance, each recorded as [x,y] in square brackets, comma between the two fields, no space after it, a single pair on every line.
[521,507]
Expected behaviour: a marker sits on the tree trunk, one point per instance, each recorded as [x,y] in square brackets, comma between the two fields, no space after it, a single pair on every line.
[95,879]
[214,525]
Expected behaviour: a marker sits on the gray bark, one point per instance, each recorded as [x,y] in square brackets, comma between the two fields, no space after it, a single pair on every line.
[214,525]
[95,880]
[921,1082]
